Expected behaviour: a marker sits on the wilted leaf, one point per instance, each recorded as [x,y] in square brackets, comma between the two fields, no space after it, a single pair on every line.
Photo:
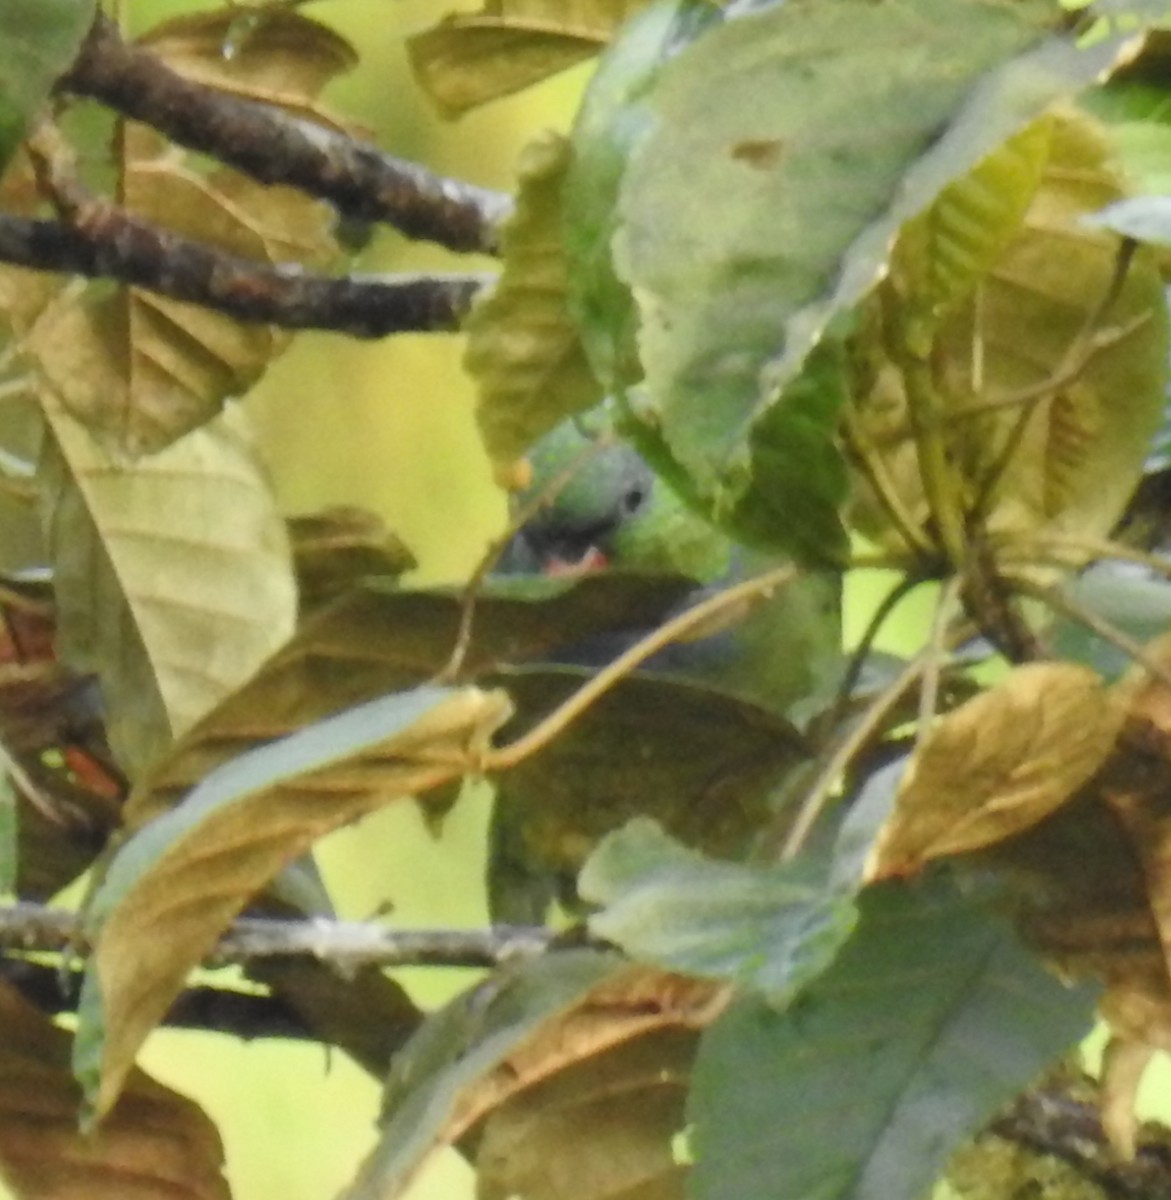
[173,575]
[900,1074]
[154,1142]
[38,41]
[173,887]
[524,351]
[999,764]
[527,1023]
[471,58]
[770,929]
[810,197]
[604,1127]
[700,762]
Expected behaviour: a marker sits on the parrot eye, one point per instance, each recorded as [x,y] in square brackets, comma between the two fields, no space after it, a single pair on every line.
[633,499]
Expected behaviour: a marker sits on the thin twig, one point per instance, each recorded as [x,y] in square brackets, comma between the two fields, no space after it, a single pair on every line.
[757,588]
[937,653]
[347,945]
[275,147]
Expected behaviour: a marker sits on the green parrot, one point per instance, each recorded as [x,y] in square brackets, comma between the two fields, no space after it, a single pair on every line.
[784,653]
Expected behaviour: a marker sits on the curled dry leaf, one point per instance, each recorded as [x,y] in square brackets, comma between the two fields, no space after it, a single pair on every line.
[154,1143]
[998,764]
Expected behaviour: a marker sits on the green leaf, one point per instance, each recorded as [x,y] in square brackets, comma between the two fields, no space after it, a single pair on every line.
[771,929]
[931,1016]
[752,128]
[469,59]
[523,350]
[172,887]
[613,117]
[39,40]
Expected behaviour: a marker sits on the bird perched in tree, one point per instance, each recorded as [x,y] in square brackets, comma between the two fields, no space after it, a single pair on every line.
[612,511]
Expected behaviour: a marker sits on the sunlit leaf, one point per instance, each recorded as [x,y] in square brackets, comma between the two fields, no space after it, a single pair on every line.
[172,888]
[173,575]
[525,1024]
[998,764]
[38,41]
[470,58]
[523,350]
[770,929]
[899,1072]
[810,194]
[153,1143]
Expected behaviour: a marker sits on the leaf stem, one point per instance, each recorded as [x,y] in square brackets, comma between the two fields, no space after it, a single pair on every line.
[698,615]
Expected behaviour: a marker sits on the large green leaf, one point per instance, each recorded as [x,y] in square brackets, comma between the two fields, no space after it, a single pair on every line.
[613,116]
[468,59]
[172,887]
[38,41]
[789,146]
[771,929]
[931,1016]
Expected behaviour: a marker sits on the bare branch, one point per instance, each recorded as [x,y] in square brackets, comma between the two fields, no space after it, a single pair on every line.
[347,945]
[112,244]
[268,144]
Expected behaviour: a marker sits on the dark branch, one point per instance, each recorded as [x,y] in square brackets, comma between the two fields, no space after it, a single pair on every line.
[213,1010]
[110,243]
[357,178]
[347,945]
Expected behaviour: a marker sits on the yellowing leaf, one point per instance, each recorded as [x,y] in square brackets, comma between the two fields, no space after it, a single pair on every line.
[524,350]
[144,369]
[154,1143]
[999,764]
[173,887]
[173,575]
[471,58]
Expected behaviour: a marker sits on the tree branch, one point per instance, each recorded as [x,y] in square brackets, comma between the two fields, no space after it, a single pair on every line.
[346,945]
[109,243]
[268,144]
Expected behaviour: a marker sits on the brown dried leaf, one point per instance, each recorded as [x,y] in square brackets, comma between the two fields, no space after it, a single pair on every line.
[154,1143]
[999,764]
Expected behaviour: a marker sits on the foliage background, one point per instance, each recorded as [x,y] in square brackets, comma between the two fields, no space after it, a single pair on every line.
[385,424]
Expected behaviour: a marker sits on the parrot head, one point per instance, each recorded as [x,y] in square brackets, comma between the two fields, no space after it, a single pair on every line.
[612,511]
